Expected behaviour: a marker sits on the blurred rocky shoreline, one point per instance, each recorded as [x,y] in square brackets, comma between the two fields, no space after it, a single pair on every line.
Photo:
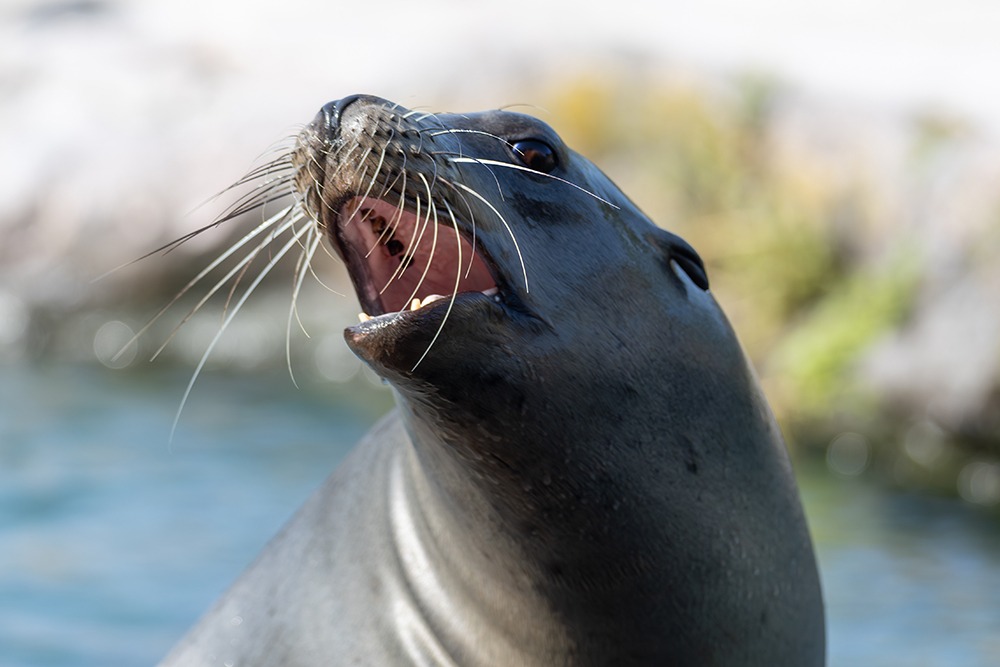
[856,248]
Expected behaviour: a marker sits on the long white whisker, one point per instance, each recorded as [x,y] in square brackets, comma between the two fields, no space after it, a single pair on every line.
[467,131]
[262,195]
[418,233]
[431,210]
[520,257]
[472,223]
[305,259]
[236,309]
[278,165]
[378,167]
[454,291]
[204,272]
[240,266]
[374,179]
[508,165]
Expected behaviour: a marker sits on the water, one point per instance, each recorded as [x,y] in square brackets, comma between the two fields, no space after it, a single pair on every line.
[113,540]
[908,579]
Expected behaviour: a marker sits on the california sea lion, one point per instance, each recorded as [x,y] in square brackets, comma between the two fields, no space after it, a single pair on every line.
[581,469]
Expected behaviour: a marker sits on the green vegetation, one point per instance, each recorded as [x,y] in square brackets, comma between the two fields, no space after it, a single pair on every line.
[818,353]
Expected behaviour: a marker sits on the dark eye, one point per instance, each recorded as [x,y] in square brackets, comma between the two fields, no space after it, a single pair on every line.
[536,155]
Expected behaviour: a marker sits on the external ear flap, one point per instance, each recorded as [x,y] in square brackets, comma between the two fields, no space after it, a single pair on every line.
[676,249]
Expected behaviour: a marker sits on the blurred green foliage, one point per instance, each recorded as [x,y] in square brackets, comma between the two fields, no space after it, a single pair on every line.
[818,353]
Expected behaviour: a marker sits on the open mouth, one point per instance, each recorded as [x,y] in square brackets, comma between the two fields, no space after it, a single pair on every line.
[404,261]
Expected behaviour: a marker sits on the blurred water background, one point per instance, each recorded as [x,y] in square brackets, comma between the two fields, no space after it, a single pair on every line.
[835,163]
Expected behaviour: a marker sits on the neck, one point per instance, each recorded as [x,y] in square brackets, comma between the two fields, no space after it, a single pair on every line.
[657,556]
[534,527]
[466,573]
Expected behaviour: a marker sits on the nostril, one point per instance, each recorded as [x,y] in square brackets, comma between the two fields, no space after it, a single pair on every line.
[331,112]
[329,115]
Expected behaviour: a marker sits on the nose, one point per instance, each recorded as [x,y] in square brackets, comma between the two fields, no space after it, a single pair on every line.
[329,116]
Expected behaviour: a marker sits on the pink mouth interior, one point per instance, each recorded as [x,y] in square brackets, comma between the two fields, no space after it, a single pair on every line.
[408,257]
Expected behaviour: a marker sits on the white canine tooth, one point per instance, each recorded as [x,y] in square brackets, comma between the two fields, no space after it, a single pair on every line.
[431,299]
[415,304]
[363,317]
[493,291]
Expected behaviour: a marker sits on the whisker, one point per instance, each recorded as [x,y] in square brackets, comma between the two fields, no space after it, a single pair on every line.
[329,253]
[378,167]
[520,257]
[472,222]
[508,165]
[342,163]
[425,117]
[431,210]
[276,167]
[245,210]
[354,213]
[472,255]
[240,266]
[166,248]
[482,133]
[302,267]
[204,272]
[496,179]
[371,185]
[524,105]
[318,227]
[454,291]
[415,238]
[389,228]
[389,186]
[305,259]
[316,277]
[285,146]
[265,186]
[236,283]
[236,309]
[281,163]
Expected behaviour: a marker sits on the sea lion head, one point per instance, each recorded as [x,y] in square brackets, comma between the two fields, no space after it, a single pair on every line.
[488,254]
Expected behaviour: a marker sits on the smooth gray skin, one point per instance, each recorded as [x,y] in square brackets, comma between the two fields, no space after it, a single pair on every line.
[583,474]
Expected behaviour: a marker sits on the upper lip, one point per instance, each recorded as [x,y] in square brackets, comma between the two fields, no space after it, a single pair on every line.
[401,259]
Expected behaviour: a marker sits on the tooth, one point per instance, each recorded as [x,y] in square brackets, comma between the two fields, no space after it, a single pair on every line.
[493,291]
[415,304]
[431,299]
[364,317]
